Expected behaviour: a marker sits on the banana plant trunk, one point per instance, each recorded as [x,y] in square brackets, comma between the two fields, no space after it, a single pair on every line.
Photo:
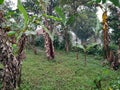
[66,36]
[85,53]
[118,51]
[67,45]
[48,42]
[76,48]
[20,56]
[105,36]
[8,60]
[108,54]
[12,65]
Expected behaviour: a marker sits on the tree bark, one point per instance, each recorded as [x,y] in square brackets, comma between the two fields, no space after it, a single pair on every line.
[76,48]
[105,36]
[108,54]
[21,56]
[11,64]
[48,42]
[85,53]
[66,37]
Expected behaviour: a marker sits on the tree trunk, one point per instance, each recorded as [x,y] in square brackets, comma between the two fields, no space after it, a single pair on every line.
[108,54]
[118,52]
[105,36]
[48,42]
[11,64]
[10,68]
[85,53]
[21,56]
[66,36]
[8,60]
[76,48]
[66,46]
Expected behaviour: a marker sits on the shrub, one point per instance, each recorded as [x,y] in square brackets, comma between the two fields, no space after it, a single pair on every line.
[115,84]
[60,45]
[56,42]
[113,47]
[39,41]
[74,48]
[97,50]
[94,49]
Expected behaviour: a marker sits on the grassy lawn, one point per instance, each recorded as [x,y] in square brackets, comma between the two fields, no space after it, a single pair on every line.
[65,72]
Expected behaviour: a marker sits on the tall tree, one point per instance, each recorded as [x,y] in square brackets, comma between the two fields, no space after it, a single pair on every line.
[36,15]
[49,24]
[108,54]
[106,38]
[83,27]
[48,43]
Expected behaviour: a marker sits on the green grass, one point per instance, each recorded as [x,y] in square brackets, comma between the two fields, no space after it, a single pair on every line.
[64,73]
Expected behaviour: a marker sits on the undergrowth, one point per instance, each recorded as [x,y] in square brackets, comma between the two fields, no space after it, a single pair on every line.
[65,72]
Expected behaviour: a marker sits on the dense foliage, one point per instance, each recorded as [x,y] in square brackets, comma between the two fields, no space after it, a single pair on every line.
[36,21]
[114,23]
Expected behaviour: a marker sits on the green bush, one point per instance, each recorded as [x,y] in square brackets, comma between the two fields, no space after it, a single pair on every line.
[97,50]
[62,45]
[94,50]
[113,47]
[39,41]
[57,44]
[115,84]
[74,49]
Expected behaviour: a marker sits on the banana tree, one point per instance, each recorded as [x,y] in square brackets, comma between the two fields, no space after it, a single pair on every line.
[65,23]
[47,8]
[12,62]
[85,49]
[106,39]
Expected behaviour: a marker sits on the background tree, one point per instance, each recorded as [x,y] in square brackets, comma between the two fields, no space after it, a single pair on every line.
[108,54]
[85,49]
[114,23]
[83,27]
[69,11]
[48,42]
